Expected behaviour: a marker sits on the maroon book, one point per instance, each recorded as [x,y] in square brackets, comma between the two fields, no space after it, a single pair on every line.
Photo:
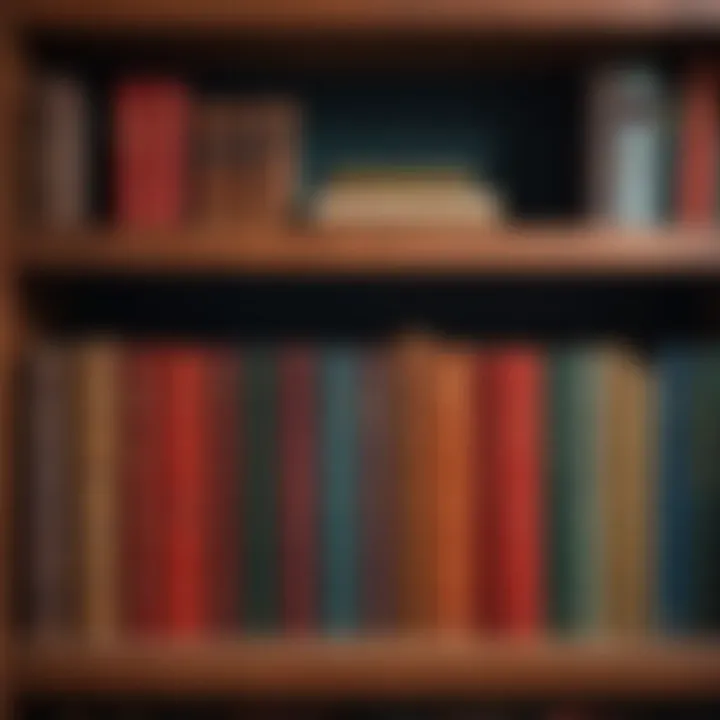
[379,495]
[142,493]
[299,488]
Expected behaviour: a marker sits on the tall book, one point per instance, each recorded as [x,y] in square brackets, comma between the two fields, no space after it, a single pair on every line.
[379,491]
[224,485]
[151,139]
[574,517]
[264,156]
[481,499]
[98,369]
[517,379]
[62,183]
[628,414]
[706,489]
[52,521]
[212,161]
[628,142]
[676,372]
[300,491]
[340,552]
[187,465]
[698,144]
[143,502]
[454,500]
[414,372]
[260,503]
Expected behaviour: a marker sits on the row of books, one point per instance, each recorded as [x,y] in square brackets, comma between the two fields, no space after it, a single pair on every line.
[177,156]
[423,483]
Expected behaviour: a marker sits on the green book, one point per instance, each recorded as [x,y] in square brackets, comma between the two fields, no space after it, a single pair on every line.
[259,503]
[706,489]
[574,498]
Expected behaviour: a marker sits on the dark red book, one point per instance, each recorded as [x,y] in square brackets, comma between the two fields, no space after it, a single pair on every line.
[516,590]
[298,369]
[224,485]
[698,145]
[144,509]
[152,120]
[379,495]
[186,457]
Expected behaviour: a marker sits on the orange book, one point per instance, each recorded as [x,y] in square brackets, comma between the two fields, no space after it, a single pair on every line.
[416,427]
[517,495]
[698,145]
[186,448]
[454,487]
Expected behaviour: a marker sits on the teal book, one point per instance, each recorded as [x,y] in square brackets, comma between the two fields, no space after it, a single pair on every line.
[705,537]
[260,541]
[574,510]
[340,470]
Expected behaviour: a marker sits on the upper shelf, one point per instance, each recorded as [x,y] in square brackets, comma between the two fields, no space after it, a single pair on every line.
[537,250]
[522,16]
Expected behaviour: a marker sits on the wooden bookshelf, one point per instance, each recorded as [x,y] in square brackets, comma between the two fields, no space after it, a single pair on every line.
[535,251]
[377,669]
[518,16]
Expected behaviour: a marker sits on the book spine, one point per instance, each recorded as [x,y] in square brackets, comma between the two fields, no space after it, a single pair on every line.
[415,358]
[518,378]
[64,126]
[676,368]
[698,145]
[339,412]
[143,504]
[260,504]
[187,464]
[454,499]
[574,550]
[627,391]
[481,492]
[300,492]
[379,492]
[225,480]
[50,469]
[98,434]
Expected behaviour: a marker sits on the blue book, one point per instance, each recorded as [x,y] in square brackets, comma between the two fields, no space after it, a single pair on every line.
[339,452]
[675,602]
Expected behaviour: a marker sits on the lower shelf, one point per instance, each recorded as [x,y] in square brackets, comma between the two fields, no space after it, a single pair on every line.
[375,668]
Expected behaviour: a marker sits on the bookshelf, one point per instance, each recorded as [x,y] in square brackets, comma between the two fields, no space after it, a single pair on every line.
[421,667]
[527,251]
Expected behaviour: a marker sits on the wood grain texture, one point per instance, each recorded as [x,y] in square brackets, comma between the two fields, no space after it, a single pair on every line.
[381,668]
[533,250]
[11,86]
[526,16]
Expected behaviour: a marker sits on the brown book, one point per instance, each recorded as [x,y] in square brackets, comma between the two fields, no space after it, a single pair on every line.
[379,493]
[212,167]
[626,489]
[454,388]
[416,428]
[53,512]
[264,147]
[62,186]
[97,393]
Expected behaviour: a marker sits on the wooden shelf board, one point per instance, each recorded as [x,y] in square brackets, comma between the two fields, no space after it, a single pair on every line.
[536,251]
[383,668]
[525,16]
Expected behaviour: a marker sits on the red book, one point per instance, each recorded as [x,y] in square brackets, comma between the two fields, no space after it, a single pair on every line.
[186,474]
[482,498]
[698,146]
[152,119]
[299,490]
[517,593]
[143,503]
